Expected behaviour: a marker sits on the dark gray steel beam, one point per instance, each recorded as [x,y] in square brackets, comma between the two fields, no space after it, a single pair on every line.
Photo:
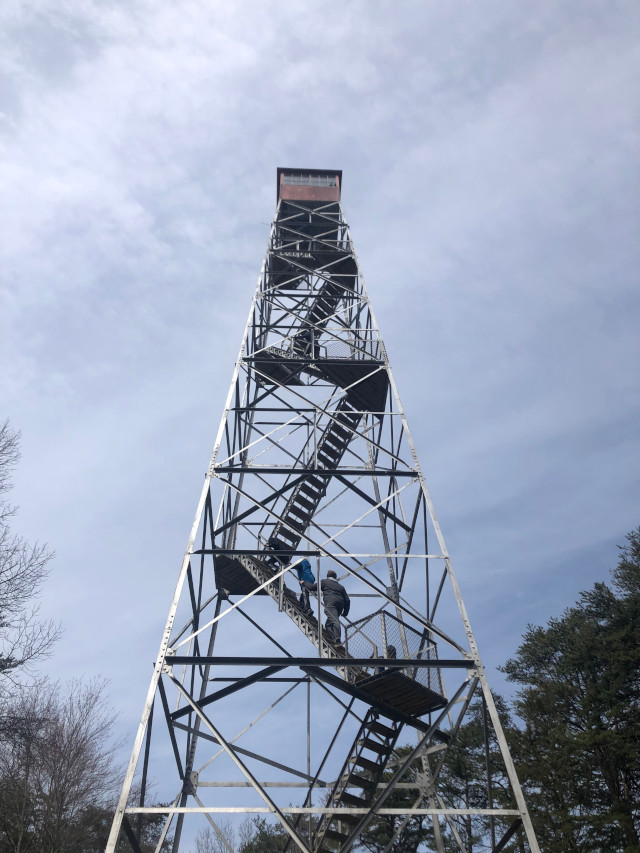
[248,753]
[272,497]
[251,552]
[373,502]
[227,691]
[318,472]
[515,826]
[389,663]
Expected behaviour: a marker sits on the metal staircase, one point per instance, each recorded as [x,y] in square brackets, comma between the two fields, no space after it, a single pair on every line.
[288,602]
[362,771]
[303,502]
[325,303]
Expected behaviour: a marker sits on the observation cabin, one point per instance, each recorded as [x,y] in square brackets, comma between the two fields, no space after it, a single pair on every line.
[309,184]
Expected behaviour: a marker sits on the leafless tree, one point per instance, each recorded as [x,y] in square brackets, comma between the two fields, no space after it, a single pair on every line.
[24,637]
[57,768]
[227,838]
[210,841]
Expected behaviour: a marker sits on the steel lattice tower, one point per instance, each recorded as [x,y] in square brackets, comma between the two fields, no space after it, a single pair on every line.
[251,704]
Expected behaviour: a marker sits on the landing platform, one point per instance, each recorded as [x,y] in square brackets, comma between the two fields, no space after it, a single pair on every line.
[392,693]
[370,391]
[407,695]
[280,366]
[232,576]
[367,385]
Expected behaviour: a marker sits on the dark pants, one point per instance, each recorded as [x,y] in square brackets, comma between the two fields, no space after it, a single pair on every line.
[277,559]
[332,627]
[304,600]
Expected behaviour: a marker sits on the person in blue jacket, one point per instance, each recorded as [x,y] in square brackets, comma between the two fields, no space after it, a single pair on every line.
[305,575]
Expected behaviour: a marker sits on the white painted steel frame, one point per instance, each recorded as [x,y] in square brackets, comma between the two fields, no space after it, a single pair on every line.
[240,435]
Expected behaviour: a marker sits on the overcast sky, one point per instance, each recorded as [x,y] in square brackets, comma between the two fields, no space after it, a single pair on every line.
[491,181]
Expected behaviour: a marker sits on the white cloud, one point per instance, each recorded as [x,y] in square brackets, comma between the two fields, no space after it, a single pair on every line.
[490,164]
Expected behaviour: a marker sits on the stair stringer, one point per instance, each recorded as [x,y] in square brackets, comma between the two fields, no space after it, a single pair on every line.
[291,606]
[360,772]
[284,529]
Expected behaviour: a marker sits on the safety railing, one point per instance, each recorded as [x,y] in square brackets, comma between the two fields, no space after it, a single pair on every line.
[382,636]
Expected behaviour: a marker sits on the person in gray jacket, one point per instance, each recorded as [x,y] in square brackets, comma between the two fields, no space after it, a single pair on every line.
[336,603]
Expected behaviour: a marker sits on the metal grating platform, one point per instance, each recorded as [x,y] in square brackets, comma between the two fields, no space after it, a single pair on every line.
[402,692]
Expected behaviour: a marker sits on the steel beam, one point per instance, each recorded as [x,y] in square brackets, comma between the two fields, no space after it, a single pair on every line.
[314,445]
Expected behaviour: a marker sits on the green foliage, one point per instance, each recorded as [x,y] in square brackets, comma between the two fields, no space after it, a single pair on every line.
[94,826]
[579,748]
[254,835]
[382,829]
[463,779]
[264,837]
[575,740]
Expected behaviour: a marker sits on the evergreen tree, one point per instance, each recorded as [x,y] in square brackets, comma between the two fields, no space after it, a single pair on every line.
[463,781]
[265,837]
[411,833]
[579,748]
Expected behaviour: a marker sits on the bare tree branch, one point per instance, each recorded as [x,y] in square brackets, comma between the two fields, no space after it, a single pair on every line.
[25,639]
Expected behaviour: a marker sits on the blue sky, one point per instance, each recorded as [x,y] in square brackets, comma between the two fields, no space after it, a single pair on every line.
[491,177]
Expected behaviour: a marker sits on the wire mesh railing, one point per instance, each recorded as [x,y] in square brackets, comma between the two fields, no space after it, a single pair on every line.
[290,245]
[305,345]
[382,636]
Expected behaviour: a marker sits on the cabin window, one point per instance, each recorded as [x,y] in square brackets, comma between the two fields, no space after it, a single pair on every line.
[310,180]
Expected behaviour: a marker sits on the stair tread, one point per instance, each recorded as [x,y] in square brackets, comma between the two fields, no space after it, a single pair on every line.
[343,817]
[381,729]
[328,448]
[358,781]
[337,836]
[325,458]
[341,431]
[300,512]
[305,502]
[285,533]
[367,764]
[376,746]
[335,431]
[352,800]
[312,486]
[336,447]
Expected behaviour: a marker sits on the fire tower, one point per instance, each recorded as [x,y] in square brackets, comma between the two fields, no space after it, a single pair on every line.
[255,706]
